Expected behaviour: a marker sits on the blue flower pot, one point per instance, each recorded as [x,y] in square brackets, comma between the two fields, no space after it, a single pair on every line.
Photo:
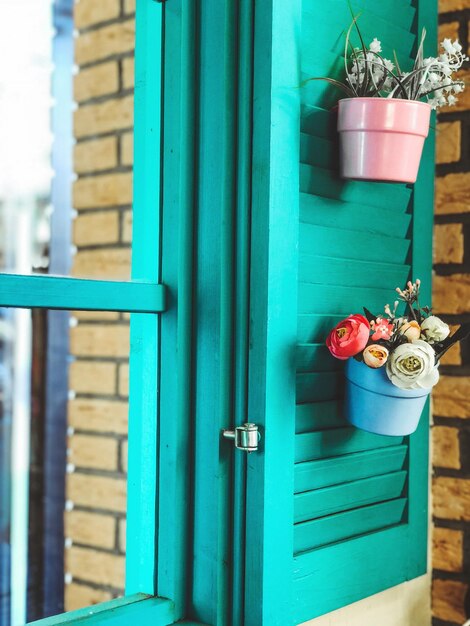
[374,404]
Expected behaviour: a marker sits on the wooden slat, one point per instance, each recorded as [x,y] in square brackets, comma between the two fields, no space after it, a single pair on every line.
[323,270]
[316,299]
[315,357]
[341,469]
[353,215]
[57,292]
[399,12]
[340,526]
[312,504]
[320,445]
[317,121]
[313,328]
[350,244]
[321,182]
[336,18]
[319,416]
[318,387]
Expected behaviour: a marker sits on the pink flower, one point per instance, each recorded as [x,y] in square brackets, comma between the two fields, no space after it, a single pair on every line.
[382,329]
[349,337]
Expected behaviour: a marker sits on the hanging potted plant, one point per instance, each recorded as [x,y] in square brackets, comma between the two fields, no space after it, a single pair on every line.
[392,363]
[384,119]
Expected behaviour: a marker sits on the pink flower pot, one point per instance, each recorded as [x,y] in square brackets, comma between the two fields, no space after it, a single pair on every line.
[382,139]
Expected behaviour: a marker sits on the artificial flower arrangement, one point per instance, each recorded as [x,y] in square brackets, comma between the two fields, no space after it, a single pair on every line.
[385,117]
[392,362]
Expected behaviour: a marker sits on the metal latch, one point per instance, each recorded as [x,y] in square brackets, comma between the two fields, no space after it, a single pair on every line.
[246,437]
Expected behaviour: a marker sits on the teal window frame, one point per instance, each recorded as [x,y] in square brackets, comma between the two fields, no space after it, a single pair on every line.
[144,297]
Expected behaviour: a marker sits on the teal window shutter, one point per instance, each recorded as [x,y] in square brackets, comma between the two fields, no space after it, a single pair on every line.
[334,514]
[360,500]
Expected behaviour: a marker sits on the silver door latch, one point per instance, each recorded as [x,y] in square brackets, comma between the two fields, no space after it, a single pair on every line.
[245,437]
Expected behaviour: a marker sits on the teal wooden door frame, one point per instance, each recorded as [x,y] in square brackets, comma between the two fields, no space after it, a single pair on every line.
[273,310]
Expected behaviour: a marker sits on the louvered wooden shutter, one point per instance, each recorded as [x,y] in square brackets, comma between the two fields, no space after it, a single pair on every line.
[360,499]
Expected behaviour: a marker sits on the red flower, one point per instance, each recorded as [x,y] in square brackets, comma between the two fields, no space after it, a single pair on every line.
[349,337]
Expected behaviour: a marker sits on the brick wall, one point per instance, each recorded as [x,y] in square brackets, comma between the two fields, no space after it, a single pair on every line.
[451,430]
[96,485]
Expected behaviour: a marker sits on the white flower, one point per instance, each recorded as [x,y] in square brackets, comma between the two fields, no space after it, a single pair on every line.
[375,45]
[448,46]
[451,100]
[412,366]
[434,329]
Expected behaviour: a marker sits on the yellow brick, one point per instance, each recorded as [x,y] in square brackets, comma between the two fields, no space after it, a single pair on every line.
[104,42]
[448,139]
[98,492]
[122,535]
[451,294]
[127,149]
[447,549]
[448,243]
[108,263]
[446,449]
[453,356]
[448,30]
[124,450]
[93,156]
[92,377]
[94,316]
[105,117]
[448,600]
[98,415]
[90,12]
[451,397]
[99,453]
[127,227]
[128,73]
[81,596]
[100,340]
[124,380]
[96,228]
[453,194]
[96,567]
[451,498]
[129,6]
[102,191]
[90,528]
[99,80]
[445,6]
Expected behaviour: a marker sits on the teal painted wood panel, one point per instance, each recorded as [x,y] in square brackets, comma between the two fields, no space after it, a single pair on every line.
[319,416]
[177,325]
[322,182]
[141,533]
[118,612]
[331,271]
[273,308]
[348,524]
[318,445]
[336,470]
[57,292]
[348,260]
[319,502]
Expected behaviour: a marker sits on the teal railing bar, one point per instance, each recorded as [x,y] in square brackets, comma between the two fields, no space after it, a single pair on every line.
[55,292]
[118,612]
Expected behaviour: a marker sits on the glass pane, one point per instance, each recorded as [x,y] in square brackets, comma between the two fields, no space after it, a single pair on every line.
[63,460]
[66,152]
